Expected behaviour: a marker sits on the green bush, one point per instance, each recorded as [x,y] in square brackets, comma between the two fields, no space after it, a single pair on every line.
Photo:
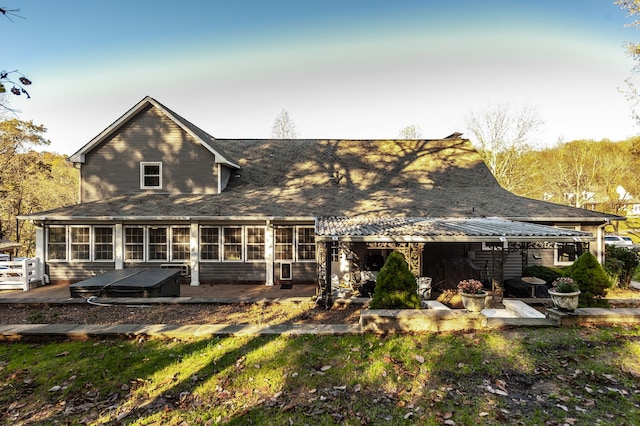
[591,278]
[395,286]
[542,272]
[621,264]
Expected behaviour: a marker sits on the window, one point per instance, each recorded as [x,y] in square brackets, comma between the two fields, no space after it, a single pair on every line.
[232,243]
[180,243]
[150,175]
[80,243]
[102,243]
[306,243]
[158,243]
[57,243]
[255,243]
[566,253]
[133,243]
[210,243]
[284,243]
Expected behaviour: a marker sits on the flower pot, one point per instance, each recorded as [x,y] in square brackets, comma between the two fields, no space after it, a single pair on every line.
[473,303]
[565,301]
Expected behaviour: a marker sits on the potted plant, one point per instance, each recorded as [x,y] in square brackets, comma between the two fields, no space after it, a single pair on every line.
[473,295]
[565,294]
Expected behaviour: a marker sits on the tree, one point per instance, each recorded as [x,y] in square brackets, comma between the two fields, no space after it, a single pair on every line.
[283,126]
[633,49]
[396,286]
[16,164]
[410,132]
[502,135]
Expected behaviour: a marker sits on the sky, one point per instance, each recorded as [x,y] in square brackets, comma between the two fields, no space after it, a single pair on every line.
[361,69]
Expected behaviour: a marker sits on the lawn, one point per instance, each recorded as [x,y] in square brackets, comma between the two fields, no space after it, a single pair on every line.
[527,376]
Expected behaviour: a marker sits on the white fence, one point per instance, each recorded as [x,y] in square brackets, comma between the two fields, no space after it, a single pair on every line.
[20,274]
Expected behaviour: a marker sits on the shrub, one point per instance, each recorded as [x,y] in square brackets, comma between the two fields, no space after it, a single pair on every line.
[621,264]
[542,272]
[591,278]
[396,286]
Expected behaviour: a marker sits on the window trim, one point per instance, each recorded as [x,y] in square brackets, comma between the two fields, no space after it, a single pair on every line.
[246,244]
[144,239]
[217,243]
[143,164]
[148,243]
[224,244]
[94,243]
[276,244]
[297,243]
[557,262]
[73,244]
[65,243]
[171,244]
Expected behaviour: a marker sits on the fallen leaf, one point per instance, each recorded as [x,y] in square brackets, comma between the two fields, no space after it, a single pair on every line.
[325,368]
[56,388]
[420,359]
[562,407]
[65,353]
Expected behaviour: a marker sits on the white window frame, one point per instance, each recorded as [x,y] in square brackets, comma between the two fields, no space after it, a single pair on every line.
[172,244]
[557,262]
[143,175]
[276,244]
[247,244]
[148,243]
[217,243]
[144,248]
[66,244]
[224,244]
[94,243]
[298,244]
[71,243]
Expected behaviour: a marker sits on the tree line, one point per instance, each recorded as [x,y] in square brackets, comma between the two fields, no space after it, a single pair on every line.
[30,180]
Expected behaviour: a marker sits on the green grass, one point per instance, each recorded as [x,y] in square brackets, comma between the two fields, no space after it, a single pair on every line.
[523,376]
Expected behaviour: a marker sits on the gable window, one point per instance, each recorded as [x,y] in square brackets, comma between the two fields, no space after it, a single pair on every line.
[57,243]
[232,243]
[255,243]
[210,243]
[80,243]
[102,243]
[158,243]
[284,243]
[180,243]
[150,175]
[133,243]
[306,243]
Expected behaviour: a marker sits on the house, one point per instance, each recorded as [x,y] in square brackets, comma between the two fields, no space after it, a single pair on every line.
[155,190]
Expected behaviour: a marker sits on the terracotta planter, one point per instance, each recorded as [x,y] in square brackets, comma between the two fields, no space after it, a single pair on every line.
[565,301]
[473,303]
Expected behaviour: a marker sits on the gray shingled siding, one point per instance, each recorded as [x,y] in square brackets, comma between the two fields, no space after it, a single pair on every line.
[113,168]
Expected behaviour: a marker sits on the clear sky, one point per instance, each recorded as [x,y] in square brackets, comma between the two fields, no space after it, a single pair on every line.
[341,68]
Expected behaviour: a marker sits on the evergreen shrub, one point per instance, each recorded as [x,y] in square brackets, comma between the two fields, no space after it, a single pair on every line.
[591,278]
[396,286]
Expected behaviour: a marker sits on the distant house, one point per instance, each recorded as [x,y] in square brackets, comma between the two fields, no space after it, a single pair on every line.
[158,191]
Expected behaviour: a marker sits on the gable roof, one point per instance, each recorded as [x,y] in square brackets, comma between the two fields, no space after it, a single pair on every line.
[207,141]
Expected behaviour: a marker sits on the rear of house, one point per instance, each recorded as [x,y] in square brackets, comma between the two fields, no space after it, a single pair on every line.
[158,191]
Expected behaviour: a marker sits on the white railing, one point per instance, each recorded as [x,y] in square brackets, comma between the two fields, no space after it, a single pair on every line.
[20,274]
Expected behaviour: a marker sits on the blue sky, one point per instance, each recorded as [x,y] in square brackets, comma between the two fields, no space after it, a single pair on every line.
[342,69]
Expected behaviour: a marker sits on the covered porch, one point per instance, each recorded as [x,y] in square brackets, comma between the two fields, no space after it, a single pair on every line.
[443,251]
